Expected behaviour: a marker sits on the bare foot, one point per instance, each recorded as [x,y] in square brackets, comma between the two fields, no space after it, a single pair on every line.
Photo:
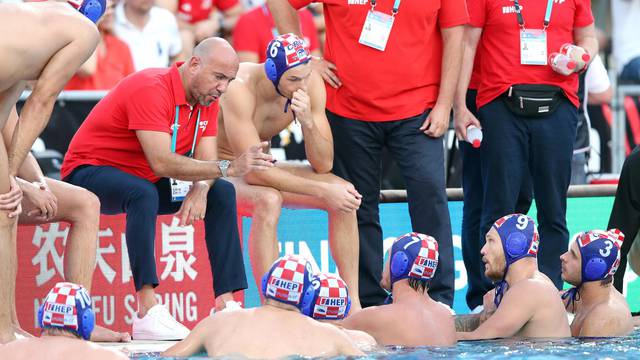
[101,334]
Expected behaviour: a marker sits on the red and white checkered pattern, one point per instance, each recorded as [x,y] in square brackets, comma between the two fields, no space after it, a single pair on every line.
[426,262]
[535,243]
[60,306]
[332,299]
[295,49]
[287,278]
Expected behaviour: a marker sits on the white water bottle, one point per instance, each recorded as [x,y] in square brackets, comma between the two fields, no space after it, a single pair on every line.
[474,136]
[575,52]
[562,63]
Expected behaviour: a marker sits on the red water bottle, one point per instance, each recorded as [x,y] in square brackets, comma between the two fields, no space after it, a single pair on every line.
[562,63]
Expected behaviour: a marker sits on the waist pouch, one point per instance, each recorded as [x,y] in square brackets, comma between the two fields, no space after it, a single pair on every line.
[533,100]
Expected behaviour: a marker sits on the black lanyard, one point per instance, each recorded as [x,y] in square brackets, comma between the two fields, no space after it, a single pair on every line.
[547,15]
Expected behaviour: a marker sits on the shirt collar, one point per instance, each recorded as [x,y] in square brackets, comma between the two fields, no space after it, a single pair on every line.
[179,96]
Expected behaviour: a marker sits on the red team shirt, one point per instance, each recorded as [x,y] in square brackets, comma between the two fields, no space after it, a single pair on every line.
[255,29]
[500,44]
[404,80]
[145,100]
[112,66]
[193,11]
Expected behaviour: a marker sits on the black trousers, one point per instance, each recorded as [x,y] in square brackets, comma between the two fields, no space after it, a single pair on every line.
[358,159]
[142,201]
[625,214]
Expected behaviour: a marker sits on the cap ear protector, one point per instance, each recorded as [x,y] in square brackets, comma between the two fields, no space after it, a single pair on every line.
[595,269]
[399,264]
[92,9]
[271,70]
[516,244]
[309,297]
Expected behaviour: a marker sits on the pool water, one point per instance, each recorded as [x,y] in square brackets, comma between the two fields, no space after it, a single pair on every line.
[586,348]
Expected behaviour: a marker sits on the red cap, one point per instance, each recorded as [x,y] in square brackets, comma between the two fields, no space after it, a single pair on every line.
[476,144]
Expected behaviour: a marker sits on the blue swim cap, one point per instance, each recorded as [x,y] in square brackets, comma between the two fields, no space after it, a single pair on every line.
[68,306]
[92,9]
[519,239]
[413,255]
[289,280]
[330,299]
[600,252]
[283,53]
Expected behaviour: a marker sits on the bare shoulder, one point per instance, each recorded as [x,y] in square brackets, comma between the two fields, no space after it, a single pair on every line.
[606,319]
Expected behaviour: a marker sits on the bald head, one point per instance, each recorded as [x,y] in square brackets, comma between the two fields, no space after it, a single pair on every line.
[215,48]
[212,67]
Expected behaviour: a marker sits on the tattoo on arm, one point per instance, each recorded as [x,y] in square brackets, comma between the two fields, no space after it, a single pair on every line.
[467,323]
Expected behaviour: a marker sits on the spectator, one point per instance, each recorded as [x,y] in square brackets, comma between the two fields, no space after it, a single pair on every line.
[528,111]
[395,94]
[255,29]
[110,63]
[133,154]
[594,89]
[48,41]
[199,19]
[626,43]
[150,31]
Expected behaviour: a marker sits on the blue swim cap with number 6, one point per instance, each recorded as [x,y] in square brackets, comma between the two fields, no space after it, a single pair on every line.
[283,53]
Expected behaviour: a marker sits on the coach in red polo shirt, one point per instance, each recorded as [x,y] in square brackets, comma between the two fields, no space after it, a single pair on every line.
[528,110]
[391,68]
[139,151]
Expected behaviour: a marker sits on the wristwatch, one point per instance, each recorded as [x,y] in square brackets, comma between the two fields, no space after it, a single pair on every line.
[223,165]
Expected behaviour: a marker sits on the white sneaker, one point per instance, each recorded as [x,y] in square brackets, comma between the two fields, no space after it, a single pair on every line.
[229,306]
[158,324]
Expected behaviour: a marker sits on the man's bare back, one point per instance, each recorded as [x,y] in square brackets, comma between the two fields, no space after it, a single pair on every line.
[267,332]
[268,117]
[31,44]
[57,348]
[414,320]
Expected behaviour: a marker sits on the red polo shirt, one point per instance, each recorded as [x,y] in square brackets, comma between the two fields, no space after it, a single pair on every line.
[112,66]
[400,82]
[146,100]
[193,11]
[255,29]
[500,43]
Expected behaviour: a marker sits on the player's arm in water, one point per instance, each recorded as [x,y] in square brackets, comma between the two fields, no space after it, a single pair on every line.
[38,107]
[238,105]
[515,310]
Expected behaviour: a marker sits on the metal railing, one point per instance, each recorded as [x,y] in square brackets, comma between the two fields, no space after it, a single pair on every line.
[455,194]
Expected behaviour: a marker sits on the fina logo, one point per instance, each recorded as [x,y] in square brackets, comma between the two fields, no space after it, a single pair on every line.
[357,2]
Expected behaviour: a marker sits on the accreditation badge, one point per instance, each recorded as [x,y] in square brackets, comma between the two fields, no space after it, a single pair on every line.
[376,30]
[533,47]
[179,189]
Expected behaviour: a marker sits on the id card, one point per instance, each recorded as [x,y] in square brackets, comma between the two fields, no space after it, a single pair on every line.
[179,189]
[376,30]
[533,47]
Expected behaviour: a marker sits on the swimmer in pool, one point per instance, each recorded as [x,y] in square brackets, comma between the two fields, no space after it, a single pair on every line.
[67,319]
[263,100]
[275,330]
[413,318]
[46,42]
[330,303]
[524,303]
[589,265]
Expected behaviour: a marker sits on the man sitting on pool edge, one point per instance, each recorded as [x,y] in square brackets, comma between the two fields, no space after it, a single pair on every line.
[526,303]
